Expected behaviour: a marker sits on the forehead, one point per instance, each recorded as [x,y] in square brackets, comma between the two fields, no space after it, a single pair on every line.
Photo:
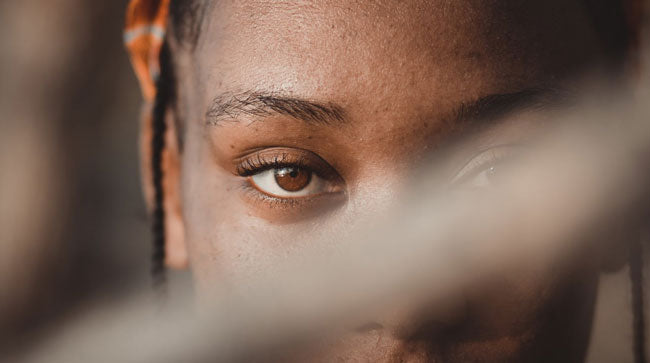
[381,51]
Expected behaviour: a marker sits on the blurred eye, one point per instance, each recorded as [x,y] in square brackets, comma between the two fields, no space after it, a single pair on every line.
[484,169]
[287,182]
[483,178]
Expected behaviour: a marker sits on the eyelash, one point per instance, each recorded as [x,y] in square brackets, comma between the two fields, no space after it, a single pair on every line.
[252,166]
[278,158]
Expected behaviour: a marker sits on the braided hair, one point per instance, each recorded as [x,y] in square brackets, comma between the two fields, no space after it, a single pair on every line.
[164,97]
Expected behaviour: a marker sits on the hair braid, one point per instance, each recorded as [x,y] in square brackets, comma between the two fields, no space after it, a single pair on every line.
[159,126]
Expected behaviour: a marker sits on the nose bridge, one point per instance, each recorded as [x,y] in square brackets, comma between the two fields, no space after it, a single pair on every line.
[375,194]
[381,189]
[381,185]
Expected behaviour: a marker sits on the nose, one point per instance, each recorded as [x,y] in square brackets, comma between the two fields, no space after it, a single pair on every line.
[398,316]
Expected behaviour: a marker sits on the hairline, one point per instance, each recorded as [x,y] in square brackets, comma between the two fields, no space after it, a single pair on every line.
[186,18]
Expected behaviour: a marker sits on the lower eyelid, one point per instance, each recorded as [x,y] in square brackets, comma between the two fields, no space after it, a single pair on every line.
[249,185]
[250,191]
[289,210]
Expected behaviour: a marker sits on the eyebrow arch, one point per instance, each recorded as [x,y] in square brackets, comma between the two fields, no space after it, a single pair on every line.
[229,106]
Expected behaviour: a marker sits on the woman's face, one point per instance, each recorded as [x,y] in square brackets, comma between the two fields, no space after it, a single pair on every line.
[299,119]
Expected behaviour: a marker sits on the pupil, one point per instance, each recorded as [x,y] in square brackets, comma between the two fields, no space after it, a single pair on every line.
[491,174]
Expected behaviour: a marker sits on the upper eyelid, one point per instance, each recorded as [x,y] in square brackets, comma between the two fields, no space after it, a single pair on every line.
[268,148]
[263,165]
[255,159]
[289,157]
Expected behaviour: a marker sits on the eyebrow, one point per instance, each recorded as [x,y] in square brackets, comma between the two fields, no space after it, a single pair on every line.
[496,106]
[230,106]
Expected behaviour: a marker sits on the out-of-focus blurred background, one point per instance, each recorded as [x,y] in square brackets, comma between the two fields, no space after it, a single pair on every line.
[73,225]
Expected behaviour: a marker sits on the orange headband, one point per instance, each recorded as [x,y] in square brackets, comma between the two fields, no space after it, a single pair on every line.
[146,22]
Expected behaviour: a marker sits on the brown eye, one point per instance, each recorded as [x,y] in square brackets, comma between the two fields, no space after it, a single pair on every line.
[292,179]
[289,173]
[289,181]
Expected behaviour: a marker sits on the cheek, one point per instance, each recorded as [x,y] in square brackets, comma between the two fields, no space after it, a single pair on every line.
[219,234]
[529,300]
[228,242]
[228,246]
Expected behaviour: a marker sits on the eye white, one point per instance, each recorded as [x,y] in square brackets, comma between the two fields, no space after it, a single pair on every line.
[265,182]
[482,179]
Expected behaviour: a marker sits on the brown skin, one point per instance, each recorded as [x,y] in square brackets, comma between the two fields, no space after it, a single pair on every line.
[398,72]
